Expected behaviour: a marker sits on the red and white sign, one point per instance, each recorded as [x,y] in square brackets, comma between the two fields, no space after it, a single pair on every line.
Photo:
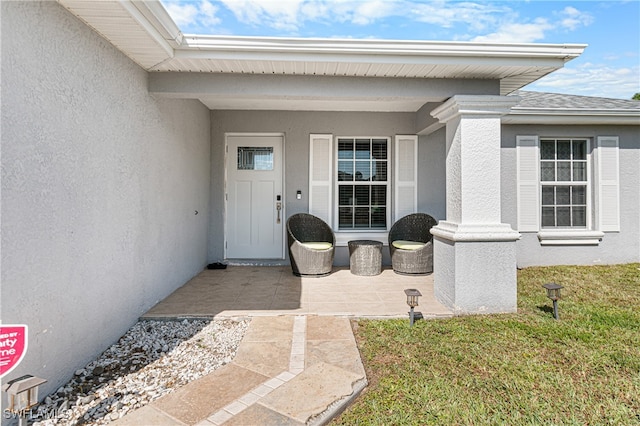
[13,346]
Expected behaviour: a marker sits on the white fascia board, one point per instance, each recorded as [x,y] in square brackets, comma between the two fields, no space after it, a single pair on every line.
[160,19]
[149,26]
[572,116]
[389,47]
[378,51]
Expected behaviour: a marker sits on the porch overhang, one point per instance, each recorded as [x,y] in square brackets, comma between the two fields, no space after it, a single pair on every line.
[308,92]
[145,32]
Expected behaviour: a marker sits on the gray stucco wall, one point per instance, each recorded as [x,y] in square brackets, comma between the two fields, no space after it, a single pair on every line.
[432,174]
[100,184]
[615,247]
[296,125]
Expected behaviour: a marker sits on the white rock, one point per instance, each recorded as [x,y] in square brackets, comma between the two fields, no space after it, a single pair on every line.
[193,349]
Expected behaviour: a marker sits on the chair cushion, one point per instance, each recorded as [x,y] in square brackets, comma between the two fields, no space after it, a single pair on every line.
[408,245]
[317,245]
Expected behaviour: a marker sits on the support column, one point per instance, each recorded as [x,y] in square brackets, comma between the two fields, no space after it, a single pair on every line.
[474,253]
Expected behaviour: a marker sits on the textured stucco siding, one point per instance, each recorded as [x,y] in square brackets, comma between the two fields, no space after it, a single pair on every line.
[432,174]
[100,185]
[296,125]
[615,247]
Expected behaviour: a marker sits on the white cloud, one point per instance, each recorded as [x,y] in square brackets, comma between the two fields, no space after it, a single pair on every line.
[358,12]
[476,16]
[475,21]
[202,14]
[278,14]
[510,30]
[444,14]
[518,33]
[370,11]
[182,15]
[571,18]
[293,14]
[592,80]
[314,11]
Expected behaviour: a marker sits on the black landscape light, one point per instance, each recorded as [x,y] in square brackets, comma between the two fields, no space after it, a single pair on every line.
[553,293]
[412,301]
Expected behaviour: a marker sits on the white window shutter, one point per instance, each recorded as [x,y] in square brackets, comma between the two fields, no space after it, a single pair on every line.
[406,175]
[608,184]
[528,181]
[320,176]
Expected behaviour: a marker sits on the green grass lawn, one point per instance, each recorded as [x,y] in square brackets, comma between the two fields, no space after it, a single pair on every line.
[516,369]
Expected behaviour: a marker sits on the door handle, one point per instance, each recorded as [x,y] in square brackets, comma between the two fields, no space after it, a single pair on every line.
[278,208]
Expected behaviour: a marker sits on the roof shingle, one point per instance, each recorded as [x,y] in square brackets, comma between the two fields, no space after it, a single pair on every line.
[545,100]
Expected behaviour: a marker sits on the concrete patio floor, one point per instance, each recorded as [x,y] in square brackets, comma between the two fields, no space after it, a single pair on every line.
[273,290]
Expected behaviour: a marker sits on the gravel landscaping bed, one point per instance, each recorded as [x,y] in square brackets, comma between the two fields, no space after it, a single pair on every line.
[151,360]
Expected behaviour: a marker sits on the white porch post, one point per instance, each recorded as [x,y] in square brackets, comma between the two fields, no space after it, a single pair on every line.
[474,253]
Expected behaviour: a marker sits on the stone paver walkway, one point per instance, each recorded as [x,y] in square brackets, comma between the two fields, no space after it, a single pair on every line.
[289,370]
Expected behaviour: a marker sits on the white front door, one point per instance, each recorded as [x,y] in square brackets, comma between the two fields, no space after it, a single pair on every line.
[255,203]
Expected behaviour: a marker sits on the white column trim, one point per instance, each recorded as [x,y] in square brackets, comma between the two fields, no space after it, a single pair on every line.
[474,232]
[473,156]
[475,105]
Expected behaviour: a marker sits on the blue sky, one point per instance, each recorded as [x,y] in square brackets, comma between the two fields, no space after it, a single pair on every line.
[609,67]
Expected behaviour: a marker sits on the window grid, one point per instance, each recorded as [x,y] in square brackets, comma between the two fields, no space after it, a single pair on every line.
[255,158]
[362,180]
[563,172]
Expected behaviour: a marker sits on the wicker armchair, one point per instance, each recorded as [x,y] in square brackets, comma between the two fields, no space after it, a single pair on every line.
[411,244]
[311,245]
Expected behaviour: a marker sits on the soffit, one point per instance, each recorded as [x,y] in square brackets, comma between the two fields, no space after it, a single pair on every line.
[512,77]
[144,32]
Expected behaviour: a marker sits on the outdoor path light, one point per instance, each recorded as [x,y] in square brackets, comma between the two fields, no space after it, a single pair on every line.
[412,301]
[22,393]
[553,293]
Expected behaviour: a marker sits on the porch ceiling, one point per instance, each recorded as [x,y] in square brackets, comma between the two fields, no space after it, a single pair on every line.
[144,31]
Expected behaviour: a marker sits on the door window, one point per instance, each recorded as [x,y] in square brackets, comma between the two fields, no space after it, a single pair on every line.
[255,158]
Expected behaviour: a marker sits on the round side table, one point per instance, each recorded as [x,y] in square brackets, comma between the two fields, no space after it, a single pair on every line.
[365,257]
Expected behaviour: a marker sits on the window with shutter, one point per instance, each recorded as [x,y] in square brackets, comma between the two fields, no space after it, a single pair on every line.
[350,184]
[556,188]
